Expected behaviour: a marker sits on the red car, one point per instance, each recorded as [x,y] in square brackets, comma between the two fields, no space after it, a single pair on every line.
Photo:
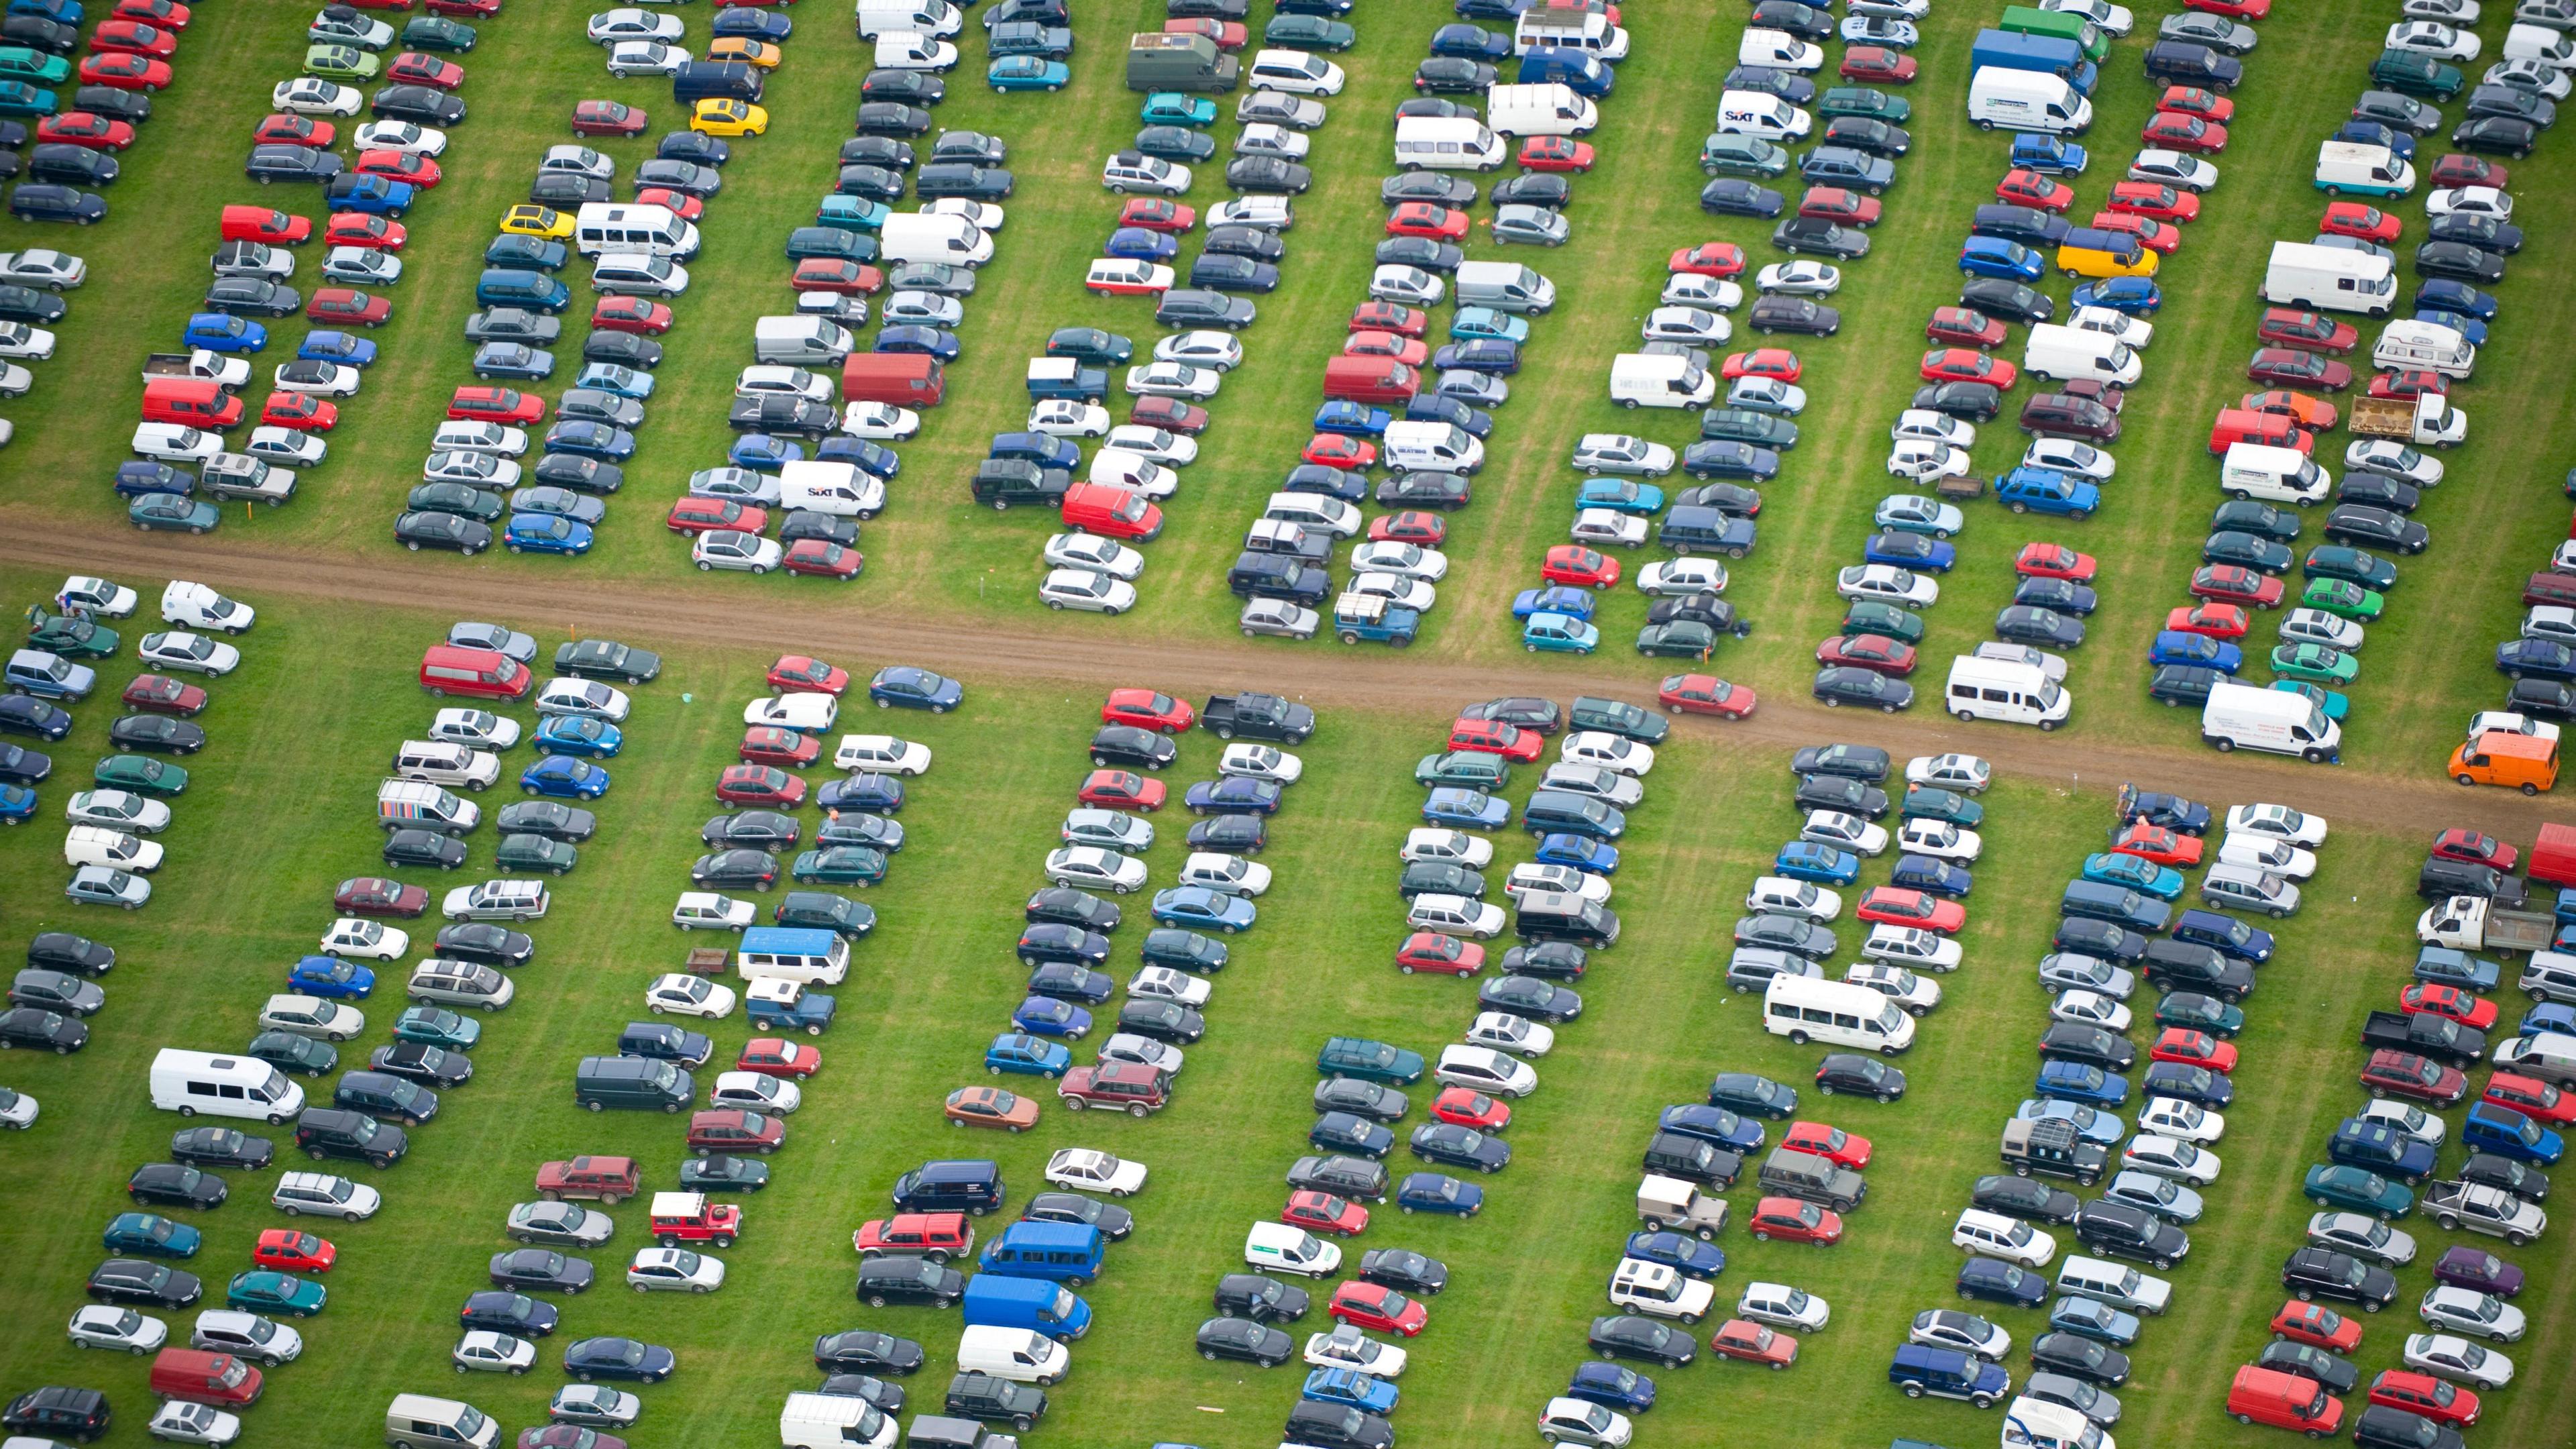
[2315,1323]
[2409,383]
[2153,198]
[301,411]
[2198,1048]
[1426,529]
[347,306]
[1754,1342]
[776,1056]
[293,1251]
[160,694]
[2466,1008]
[1828,1141]
[2154,235]
[408,166]
[1147,709]
[168,14]
[802,673]
[1889,905]
[1373,343]
[835,274]
[425,70]
[1493,737]
[2353,218]
[631,314]
[1966,364]
[1792,1220]
[2029,188]
[84,128]
[774,745]
[1877,65]
[2440,1400]
[1470,1108]
[1229,35]
[1846,208]
[2475,847]
[468,8]
[2293,368]
[364,229]
[608,118]
[1777,363]
[2457,169]
[1373,1305]
[1704,694]
[281,129]
[2311,330]
[495,405]
[133,37]
[1438,954]
[1572,563]
[2236,584]
[1337,450]
[733,1132]
[2194,101]
[705,515]
[1423,218]
[1555,153]
[2156,843]
[1708,259]
[2316,415]
[2178,132]
[1321,1212]
[373,895]
[2232,9]
[1122,790]
[759,785]
[125,72]
[1392,317]
[2053,561]
[1868,651]
[1154,213]
[1170,414]
[1964,327]
[2218,621]
[679,203]
[2404,1074]
[822,558]
[2531,1097]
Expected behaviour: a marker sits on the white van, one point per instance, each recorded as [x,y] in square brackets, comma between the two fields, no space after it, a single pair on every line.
[1412,446]
[441,763]
[1837,1013]
[2540,43]
[1296,72]
[1504,286]
[627,226]
[1777,50]
[98,845]
[1314,510]
[2012,691]
[801,341]
[1646,380]
[1552,109]
[638,274]
[2039,1424]
[1283,1248]
[833,1421]
[2303,274]
[926,17]
[953,240]
[1447,143]
[1120,468]
[2363,169]
[2117,1284]
[1593,35]
[2409,343]
[2055,350]
[2240,716]
[418,1421]
[1019,1354]
[2026,100]
[793,956]
[844,490]
[2275,475]
[1760,113]
[221,1085]
[419,805]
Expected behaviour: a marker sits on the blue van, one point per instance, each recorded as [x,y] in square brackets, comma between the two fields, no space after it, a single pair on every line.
[971,1185]
[1949,1374]
[1069,1252]
[1002,1301]
[514,287]
[2226,935]
[2119,905]
[1573,69]
[1924,873]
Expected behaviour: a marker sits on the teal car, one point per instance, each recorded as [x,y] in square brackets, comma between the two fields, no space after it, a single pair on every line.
[1197,908]
[2357,1189]
[1481,322]
[1914,513]
[1925,802]
[1369,1061]
[1559,634]
[140,773]
[17,98]
[436,32]
[2316,663]
[265,1292]
[151,1235]
[840,865]
[2200,1013]
[1728,153]
[1876,105]
[1471,769]
[2335,704]
[1872,617]
[1620,495]
[852,213]
[1171,108]
[438,1027]
[1308,32]
[340,62]
[1027,73]
[18,63]
[70,637]
[2136,872]
[172,513]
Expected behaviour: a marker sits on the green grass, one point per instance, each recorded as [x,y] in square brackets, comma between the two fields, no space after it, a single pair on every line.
[281,796]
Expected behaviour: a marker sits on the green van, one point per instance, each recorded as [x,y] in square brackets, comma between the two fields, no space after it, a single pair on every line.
[2029,20]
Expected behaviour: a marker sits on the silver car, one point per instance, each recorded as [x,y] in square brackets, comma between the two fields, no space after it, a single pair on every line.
[1278,618]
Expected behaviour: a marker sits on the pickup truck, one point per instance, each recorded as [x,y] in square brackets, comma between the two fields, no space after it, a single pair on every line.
[239,475]
[1368,616]
[198,363]
[1257,717]
[2428,421]
[2471,924]
[1062,377]
[2425,1034]
[2456,1205]
[775,1003]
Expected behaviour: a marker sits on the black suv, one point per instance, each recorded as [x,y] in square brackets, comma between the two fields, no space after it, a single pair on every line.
[1350,1177]
[904,1278]
[2323,1273]
[72,1413]
[329,1132]
[982,1396]
[1261,1299]
[2122,1231]
[1001,482]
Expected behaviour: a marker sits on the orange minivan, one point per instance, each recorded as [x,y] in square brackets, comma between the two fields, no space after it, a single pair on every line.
[205,1378]
[2516,761]
[1371,380]
[2272,430]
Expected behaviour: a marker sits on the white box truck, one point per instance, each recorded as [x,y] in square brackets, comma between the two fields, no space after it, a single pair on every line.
[2026,100]
[2303,274]
[2409,343]
[2078,353]
[2240,716]
[1539,110]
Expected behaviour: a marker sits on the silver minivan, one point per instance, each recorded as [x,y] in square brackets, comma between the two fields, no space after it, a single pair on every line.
[461,983]
[2246,888]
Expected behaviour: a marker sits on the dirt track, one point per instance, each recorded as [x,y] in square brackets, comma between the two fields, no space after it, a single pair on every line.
[1375,679]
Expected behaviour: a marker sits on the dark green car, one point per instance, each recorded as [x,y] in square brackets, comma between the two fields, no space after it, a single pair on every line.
[839,865]
[288,1052]
[823,911]
[1308,32]
[1923,802]
[78,638]
[435,32]
[459,498]
[1681,639]
[1727,153]
[1871,617]
[141,774]
[2196,1012]
[1878,105]
[1743,425]
[1474,769]
[529,852]
[2413,74]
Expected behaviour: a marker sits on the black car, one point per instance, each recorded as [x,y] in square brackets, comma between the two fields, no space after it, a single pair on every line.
[419,530]
[995,1400]
[1804,315]
[1859,1076]
[2008,300]
[1530,997]
[1071,983]
[2363,527]
[2488,1169]
[1197,307]
[860,1350]
[2377,490]
[1412,251]
[431,1066]
[22,766]
[1230,834]
[424,848]
[1241,1338]
[882,151]
[1049,941]
[720,1173]
[483,942]
[567,189]
[2460,260]
[132,1280]
[1260,1298]
[875,183]
[905,1278]
[512,1313]
[170,1184]
[1428,186]
[607,659]
[1706,608]
[734,869]
[904,88]
[1404,1270]
[2477,231]
[1113,1221]
[1175,143]
[71,1413]
[693,147]
[1457,1146]
[1188,950]
[1976,402]
[1801,20]
[824,911]
[1442,491]
[1838,685]
[887,1398]
[1130,746]
[1270,175]
[1539,716]
[421,104]
[1208,9]
[252,295]
[891,118]
[26,304]
[2022,1198]
[24,714]
[1535,188]
[290,163]
[950,178]
[2495,135]
[2181,684]
[73,165]
[2313,1273]
[592,1359]
[804,523]
[1450,75]
[686,177]
[221,1147]
[751,829]
[1618,1336]
[288,1052]
[1162,1020]
[34,1027]
[1245,241]
[2078,1041]
[2121,1231]
[36,32]
[1839,792]
[2088,937]
[1366,1099]
[1735,196]
[1858,762]
[1226,273]
[541,1270]
[1749,1093]
[2084,1358]
[2308,1361]
[1788,85]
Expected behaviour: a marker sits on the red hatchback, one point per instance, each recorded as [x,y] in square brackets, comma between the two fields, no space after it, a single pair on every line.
[167,14]
[364,229]
[1427,529]
[1824,1140]
[1374,1305]
[2218,621]
[2313,331]
[822,558]
[160,694]
[285,130]
[2194,101]
[1708,259]
[776,1056]
[1122,790]
[1868,651]
[1321,1212]
[2437,1399]
[2158,844]
[1776,363]
[705,515]
[425,70]
[631,314]
[834,274]
[419,170]
[85,128]
[2198,1048]
[1392,317]
[1963,327]
[2476,847]
[1229,35]
[301,411]
[1844,208]
[1555,153]
[1438,954]
[1889,905]
[2409,383]
[1373,343]
[2458,169]
[2156,236]
[1339,450]
[1423,218]
[777,745]
[1878,65]
[133,37]
[759,785]
[495,405]
[348,307]
[1965,364]
[803,673]
[679,203]
[1170,414]
[2041,560]
[1147,709]
[2531,1097]
[373,895]
[2291,367]
[1470,1108]
[125,72]
[2153,198]
[2029,188]
[1492,737]
[2232,9]
[2466,1008]
[2236,584]
[728,1131]
[1704,694]
[2315,1323]
[1153,213]
[1742,1338]
[2352,218]
[1572,563]
[2178,132]
[608,118]
[293,1251]
[1792,1220]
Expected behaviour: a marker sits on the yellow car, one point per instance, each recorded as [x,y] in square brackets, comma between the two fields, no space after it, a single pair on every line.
[716,116]
[542,221]
[743,48]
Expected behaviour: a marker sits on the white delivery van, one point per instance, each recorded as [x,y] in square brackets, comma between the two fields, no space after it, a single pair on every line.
[2363,169]
[2274,475]
[1760,113]
[223,1085]
[2058,351]
[2303,274]
[1777,50]
[611,226]
[420,1421]
[1592,34]
[2026,100]
[1651,380]
[1425,447]
[1837,1013]
[2540,43]
[833,1421]
[844,490]
[1503,286]
[194,606]
[801,341]
[1021,1355]
[1447,143]
[1538,110]
[2009,690]
[1285,1248]
[2409,343]
[2240,716]
[929,17]
[952,240]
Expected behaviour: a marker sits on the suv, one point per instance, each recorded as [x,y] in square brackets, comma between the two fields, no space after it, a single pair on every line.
[329,1132]
[73,1413]
[610,1180]
[2052,1147]
[984,1396]
[1132,1086]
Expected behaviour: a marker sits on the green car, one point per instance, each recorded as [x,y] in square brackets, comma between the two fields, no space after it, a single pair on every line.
[824,911]
[2335,705]
[2334,561]
[2316,663]
[265,1292]
[2136,872]
[1744,425]
[840,865]
[1470,769]
[1171,108]
[340,62]
[1308,32]
[2200,1013]
[2357,1189]
[19,63]
[436,32]
[438,1027]
[1924,802]
[78,638]
[2343,598]
[171,513]
[1729,154]
[525,852]
[1872,617]
[1877,105]
[1681,639]
[140,773]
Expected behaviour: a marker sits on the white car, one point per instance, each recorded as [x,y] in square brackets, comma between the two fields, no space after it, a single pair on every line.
[192,653]
[484,1351]
[44,269]
[118,810]
[287,446]
[1916,994]
[2184,1121]
[1880,30]
[984,214]
[1894,9]
[475,470]
[1887,584]
[1121,275]
[15,381]
[1671,578]
[756,1092]
[360,266]
[1092,868]
[2363,1236]
[319,1192]
[1609,751]
[311,1016]
[2393,460]
[1485,1070]
[1454,915]
[360,939]
[105,1325]
[1592,780]
[1695,325]
[2512,724]
[1094,553]
[2113,19]
[2412,1120]
[1918,460]
[1296,72]
[2065,455]
[1800,278]
[1979,1231]
[1127,171]
[2174,169]
[1347,1347]
[1221,872]
[181,1422]
[1966,1332]
[629,23]
[1064,417]
[645,57]
[1414,287]
[1932,427]
[2277,822]
[2530,75]
[1278,618]
[1691,289]
[2449,1356]
[1174,379]
[889,754]
[2091,1008]
[1408,560]
[1530,879]
[688,996]
[1658,1290]
[1767,395]
[926,308]
[1844,832]
[1777,49]
[1088,590]
[2470,201]
[1783,1306]
[1428,842]
[2171,1157]
[1598,453]
[2433,38]
[1939,839]
[1087,1169]
[1267,213]
[19,340]
[1262,138]
[1966,774]
[1911,946]
[597,700]
[1144,1050]
[1260,762]
[1582,1422]
[168,442]
[773,380]
[805,712]
[912,50]
[1201,348]
[114,849]
[1609,527]
[2316,626]
[1163,983]
[707,911]
[463,436]
[18,1111]
[1396,589]
[330,381]
[401,136]
[1154,445]
[2263,853]
[675,1270]
[2467,1311]
[735,550]
[2133,333]
[1505,1032]
[313,96]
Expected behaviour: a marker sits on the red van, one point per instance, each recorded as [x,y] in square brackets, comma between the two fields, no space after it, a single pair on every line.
[194,402]
[2553,855]
[2284,1401]
[1371,380]
[205,1378]
[906,380]
[1112,512]
[452,669]
[261,224]
[2272,430]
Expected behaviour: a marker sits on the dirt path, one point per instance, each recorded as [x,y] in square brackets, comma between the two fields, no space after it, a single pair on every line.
[1372,679]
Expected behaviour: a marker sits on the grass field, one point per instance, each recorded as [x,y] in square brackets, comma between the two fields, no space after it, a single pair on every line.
[281,794]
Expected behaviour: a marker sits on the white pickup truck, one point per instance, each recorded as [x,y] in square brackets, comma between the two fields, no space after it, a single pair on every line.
[2482,1209]
[198,363]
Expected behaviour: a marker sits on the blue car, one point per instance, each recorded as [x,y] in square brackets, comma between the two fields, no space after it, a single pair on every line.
[2091,1124]
[1593,857]
[1991,256]
[1144,245]
[1171,108]
[1820,864]
[2471,330]
[1437,1192]
[913,338]
[564,778]
[341,347]
[2508,1133]
[1995,1281]
[2045,490]
[331,978]
[17,804]
[151,1235]
[2447,295]
[2048,155]
[1711,1124]
[1048,1016]
[2372,133]
[1073,983]
[752,24]
[2136,872]
[1910,551]
[2361,1142]
[2550,1016]
[2535,659]
[874,458]
[1563,599]
[223,332]
[587,439]
[2180,646]
[609,377]
[171,513]
[1199,908]
[2082,1082]
[1347,1132]
[1466,809]
[1612,1387]
[2224,934]
[2133,295]
[1351,1389]
[1027,73]
[764,452]
[1486,322]
[1351,419]
[2336,705]
[868,793]
[1923,873]
[2181,1080]
[2444,966]
[359,191]
[1021,1054]
[1498,356]
[1619,495]
[1682,1253]
[578,734]
[135,479]
[1233,795]
[2092,1318]
[1470,42]
[545,533]
[901,686]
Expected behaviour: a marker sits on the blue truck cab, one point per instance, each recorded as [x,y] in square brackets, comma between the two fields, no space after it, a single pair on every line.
[1004,1301]
[774,1003]
[1063,377]
[1058,1252]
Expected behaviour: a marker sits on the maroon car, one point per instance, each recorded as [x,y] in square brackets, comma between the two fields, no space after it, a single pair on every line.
[373,895]
[568,1436]
[759,785]
[2404,1074]
[1963,327]
[2066,416]
[1169,413]
[2309,331]
[2291,367]
[1844,208]
[608,118]
[732,1131]
[1874,652]
[1131,1087]
[160,694]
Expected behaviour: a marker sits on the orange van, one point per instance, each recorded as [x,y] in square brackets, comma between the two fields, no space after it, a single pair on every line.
[2272,430]
[1112,512]
[2517,761]
[264,224]
[1372,380]
[191,402]
[2284,1401]
[205,1378]
[904,379]
[452,669]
